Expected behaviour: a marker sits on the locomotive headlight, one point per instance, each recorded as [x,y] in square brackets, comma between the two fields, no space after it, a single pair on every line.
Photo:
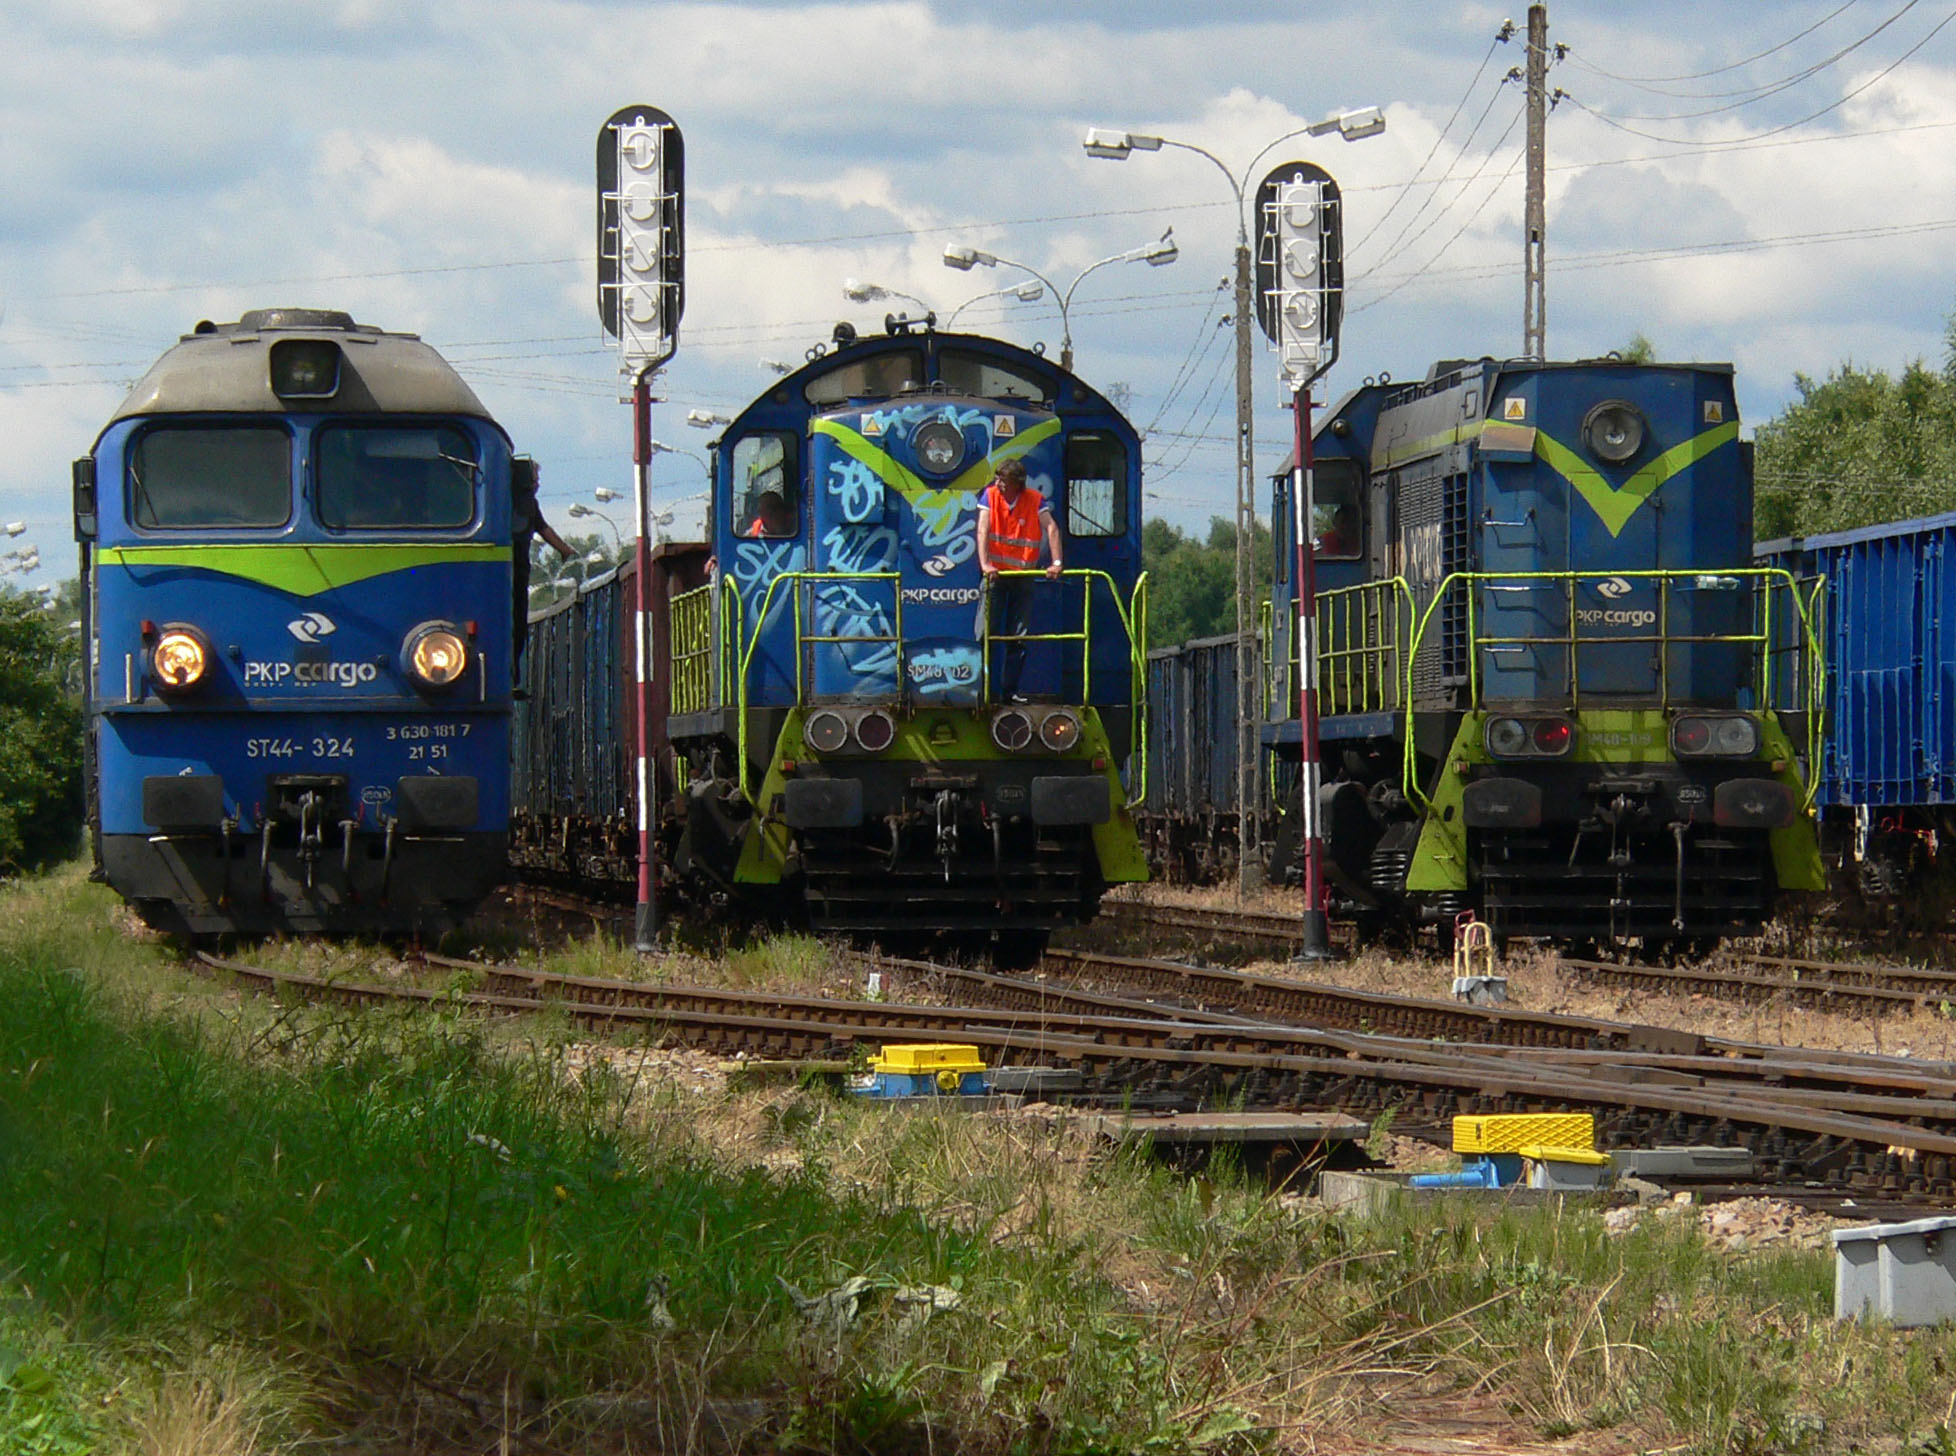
[1528,737]
[875,731]
[825,731]
[1060,731]
[1726,736]
[1738,737]
[1012,730]
[1552,737]
[305,368]
[1614,430]
[1506,737]
[940,446]
[179,659]
[436,655]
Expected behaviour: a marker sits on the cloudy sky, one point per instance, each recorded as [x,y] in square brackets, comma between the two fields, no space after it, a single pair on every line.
[1770,184]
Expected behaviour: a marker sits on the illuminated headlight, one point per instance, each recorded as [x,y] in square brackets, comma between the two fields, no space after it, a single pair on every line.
[1721,737]
[1614,431]
[1528,737]
[179,659]
[436,655]
[305,368]
[875,731]
[1012,730]
[1060,731]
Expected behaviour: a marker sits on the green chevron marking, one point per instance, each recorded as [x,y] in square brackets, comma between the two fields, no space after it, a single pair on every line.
[908,484]
[301,570]
[1616,506]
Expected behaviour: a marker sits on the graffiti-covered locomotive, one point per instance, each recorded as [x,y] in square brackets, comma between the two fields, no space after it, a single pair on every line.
[1553,686]
[854,725]
[296,560]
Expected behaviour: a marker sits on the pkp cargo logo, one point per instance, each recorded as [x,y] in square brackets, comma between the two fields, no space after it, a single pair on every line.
[312,627]
[1613,588]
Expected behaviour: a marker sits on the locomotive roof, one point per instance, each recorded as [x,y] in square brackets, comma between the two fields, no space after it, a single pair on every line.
[225,367]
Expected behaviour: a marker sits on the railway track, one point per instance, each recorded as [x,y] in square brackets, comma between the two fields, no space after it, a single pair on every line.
[1796,1115]
[1862,987]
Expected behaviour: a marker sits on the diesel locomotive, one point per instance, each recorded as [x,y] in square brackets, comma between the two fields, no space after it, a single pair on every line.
[1554,687]
[296,566]
[853,728]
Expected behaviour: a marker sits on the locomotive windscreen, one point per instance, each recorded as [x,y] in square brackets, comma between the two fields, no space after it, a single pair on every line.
[373,476]
[193,476]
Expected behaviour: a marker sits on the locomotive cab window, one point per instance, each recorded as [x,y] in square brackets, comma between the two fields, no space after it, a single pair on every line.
[879,377]
[964,372]
[383,477]
[1337,511]
[1096,485]
[765,495]
[197,477]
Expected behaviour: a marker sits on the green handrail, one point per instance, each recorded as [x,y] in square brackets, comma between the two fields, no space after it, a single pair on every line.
[1760,639]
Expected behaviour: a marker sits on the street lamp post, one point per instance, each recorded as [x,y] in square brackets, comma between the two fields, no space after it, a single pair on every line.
[858,292]
[1155,255]
[1024,292]
[583,512]
[1118,146]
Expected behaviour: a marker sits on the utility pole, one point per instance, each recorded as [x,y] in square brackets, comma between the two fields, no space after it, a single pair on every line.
[1534,308]
[1249,680]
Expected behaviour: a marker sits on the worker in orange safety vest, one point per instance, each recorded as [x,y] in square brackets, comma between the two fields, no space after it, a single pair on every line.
[1012,520]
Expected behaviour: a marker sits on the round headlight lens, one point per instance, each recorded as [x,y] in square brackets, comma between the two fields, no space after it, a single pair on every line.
[1614,431]
[1692,735]
[1012,730]
[180,659]
[1737,737]
[1553,736]
[875,731]
[940,447]
[1506,737]
[1060,731]
[825,731]
[437,655]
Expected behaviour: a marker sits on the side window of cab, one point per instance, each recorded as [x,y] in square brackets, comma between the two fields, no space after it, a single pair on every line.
[1096,485]
[1337,522]
[766,485]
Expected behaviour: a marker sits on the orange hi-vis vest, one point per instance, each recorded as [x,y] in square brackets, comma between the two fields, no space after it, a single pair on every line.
[1014,528]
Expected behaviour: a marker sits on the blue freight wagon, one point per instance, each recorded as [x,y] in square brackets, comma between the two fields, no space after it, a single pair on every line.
[1886,785]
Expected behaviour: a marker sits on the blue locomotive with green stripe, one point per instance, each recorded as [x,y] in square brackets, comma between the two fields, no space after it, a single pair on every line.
[869,738]
[297,558]
[1553,686]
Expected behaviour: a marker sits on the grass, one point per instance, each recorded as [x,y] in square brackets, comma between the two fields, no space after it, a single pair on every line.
[227,1227]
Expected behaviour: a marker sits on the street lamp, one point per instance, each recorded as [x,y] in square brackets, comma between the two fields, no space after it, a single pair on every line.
[1024,292]
[1118,146]
[858,292]
[583,512]
[1156,254]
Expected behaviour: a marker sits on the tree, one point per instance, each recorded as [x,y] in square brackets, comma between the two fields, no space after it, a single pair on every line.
[1640,350]
[40,738]
[1192,584]
[1858,447]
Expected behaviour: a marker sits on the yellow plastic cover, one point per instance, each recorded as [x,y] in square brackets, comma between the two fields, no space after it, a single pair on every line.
[1514,1132]
[924,1057]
